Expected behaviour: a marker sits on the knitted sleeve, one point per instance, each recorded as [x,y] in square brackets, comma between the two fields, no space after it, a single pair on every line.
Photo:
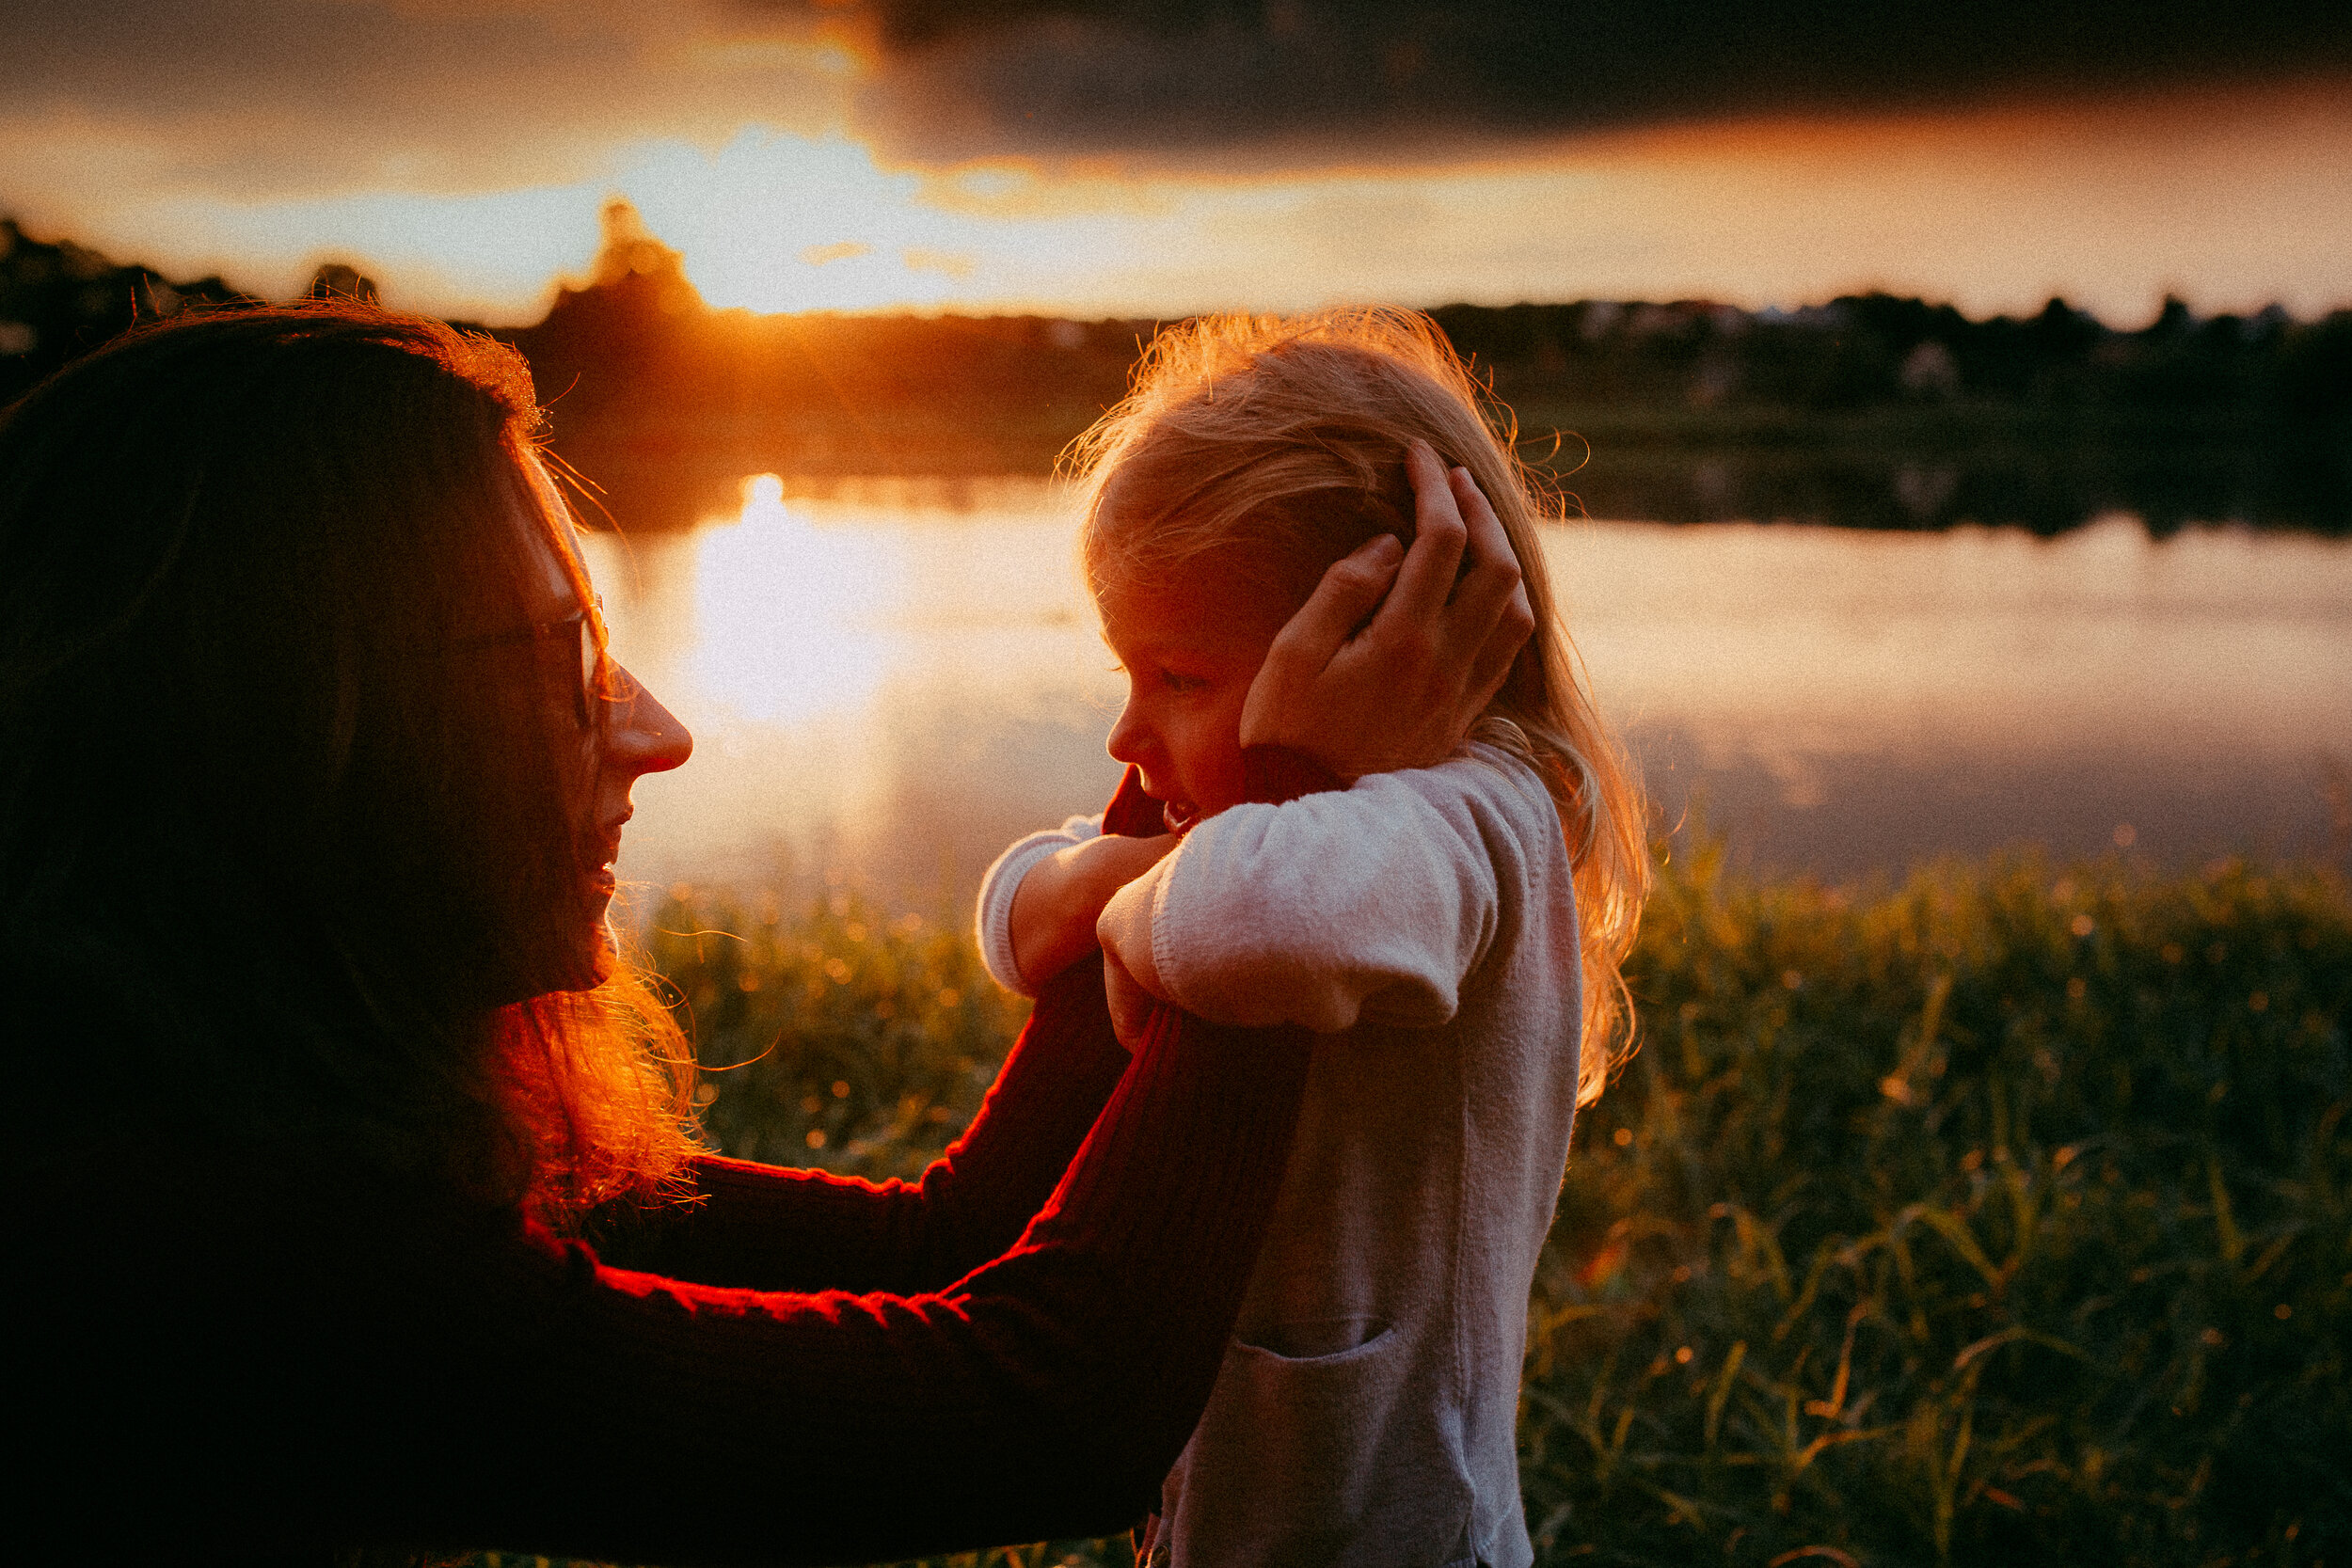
[1043,1394]
[993,920]
[764,1228]
[1376,901]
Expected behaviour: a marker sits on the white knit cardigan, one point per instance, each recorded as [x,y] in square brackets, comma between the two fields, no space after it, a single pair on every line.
[1423,923]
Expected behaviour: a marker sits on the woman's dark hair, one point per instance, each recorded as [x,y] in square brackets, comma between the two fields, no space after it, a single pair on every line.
[282,833]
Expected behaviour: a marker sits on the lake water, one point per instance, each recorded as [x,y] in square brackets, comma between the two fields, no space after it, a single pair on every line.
[890,680]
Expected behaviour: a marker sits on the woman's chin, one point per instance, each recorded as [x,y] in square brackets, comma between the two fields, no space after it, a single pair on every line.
[580,954]
[599,958]
[599,966]
[599,948]
[590,960]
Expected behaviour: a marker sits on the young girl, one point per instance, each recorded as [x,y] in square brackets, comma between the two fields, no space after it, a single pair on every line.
[1451,934]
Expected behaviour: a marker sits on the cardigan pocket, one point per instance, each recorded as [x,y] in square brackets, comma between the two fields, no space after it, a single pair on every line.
[1326,1458]
[1309,1339]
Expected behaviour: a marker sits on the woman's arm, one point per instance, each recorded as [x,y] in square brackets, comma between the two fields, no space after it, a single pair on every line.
[765,1227]
[277,1355]
[1045,1394]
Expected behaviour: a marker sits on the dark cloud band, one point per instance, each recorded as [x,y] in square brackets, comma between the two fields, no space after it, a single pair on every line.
[1197,75]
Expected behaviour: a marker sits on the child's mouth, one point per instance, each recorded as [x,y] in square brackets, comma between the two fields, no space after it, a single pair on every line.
[1178,815]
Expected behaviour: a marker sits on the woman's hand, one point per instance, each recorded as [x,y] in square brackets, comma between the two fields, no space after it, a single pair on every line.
[1061,896]
[1403,691]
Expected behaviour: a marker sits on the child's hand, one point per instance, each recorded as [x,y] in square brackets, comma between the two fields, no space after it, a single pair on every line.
[1130,1004]
[1055,908]
[1403,691]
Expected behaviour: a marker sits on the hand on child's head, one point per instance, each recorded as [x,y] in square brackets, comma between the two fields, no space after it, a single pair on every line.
[1403,690]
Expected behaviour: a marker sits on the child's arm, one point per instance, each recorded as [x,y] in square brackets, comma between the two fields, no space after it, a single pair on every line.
[993,922]
[1039,902]
[1371,902]
[1056,905]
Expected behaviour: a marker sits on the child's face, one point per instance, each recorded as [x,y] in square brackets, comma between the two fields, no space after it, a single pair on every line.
[1190,653]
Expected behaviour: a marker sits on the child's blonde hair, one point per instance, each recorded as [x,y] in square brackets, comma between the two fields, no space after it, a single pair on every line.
[1274,445]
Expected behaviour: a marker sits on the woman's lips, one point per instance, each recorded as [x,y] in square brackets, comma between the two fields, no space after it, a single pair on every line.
[607,849]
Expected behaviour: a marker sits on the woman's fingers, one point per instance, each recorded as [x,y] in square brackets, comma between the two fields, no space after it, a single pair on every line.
[1350,590]
[1425,581]
[1490,619]
[1365,683]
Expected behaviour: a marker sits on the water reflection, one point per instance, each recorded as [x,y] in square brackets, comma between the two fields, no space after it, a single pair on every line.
[788,617]
[889,684]
[880,682]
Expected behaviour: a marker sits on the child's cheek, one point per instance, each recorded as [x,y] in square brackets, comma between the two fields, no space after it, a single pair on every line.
[1228,764]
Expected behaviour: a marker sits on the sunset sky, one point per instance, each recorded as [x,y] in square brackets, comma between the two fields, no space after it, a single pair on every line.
[1155,157]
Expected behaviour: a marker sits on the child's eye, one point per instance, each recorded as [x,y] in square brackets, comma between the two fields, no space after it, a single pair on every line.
[1176,682]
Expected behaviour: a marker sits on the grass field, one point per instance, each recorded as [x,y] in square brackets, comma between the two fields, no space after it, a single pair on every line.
[2001,1216]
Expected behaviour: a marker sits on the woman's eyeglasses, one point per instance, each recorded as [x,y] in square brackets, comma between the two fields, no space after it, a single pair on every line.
[571,650]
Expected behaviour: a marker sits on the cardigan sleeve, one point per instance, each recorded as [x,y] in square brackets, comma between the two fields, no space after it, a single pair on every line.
[993,919]
[1372,902]
[1269,775]
[764,1228]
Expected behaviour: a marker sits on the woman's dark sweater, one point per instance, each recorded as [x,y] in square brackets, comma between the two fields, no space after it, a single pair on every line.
[218,1352]
[218,1356]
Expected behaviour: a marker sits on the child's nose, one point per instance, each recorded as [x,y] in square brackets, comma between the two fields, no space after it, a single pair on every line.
[1130,739]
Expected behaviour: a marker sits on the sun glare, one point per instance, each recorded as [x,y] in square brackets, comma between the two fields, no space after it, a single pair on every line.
[789,614]
[1930,204]
[775,223]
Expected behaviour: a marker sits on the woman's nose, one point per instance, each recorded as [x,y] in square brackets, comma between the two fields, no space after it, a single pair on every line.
[640,736]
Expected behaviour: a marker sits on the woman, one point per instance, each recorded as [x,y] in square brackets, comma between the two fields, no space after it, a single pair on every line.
[322,1074]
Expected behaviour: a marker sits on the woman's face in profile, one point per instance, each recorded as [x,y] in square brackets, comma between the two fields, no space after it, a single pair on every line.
[619,731]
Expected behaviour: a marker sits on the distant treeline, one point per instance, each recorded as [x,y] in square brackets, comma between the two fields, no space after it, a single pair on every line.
[1869,411]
